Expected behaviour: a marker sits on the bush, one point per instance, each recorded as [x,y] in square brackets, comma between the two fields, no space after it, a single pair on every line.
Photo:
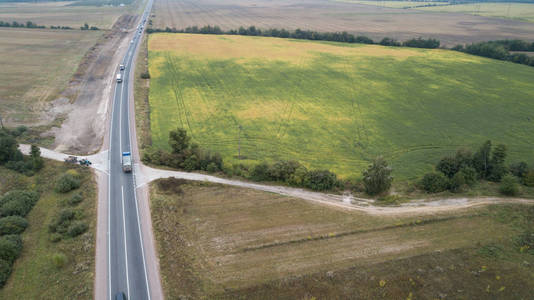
[377,178]
[59,260]
[212,168]
[469,174]
[320,180]
[456,182]
[10,247]
[260,172]
[67,183]
[509,186]
[75,199]
[5,271]
[145,75]
[77,228]
[434,182]
[529,178]
[17,203]
[12,225]
[282,170]
[60,223]
[519,169]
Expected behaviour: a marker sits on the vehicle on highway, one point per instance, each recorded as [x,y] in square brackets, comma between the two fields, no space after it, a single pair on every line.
[121,67]
[119,78]
[120,296]
[126,162]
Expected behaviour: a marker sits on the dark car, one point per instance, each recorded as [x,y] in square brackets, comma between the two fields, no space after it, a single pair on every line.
[120,296]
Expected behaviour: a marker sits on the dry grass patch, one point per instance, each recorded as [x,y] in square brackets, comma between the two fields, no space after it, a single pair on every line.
[274,49]
[214,238]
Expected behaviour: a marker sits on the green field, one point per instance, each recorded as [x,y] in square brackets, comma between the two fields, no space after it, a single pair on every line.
[335,106]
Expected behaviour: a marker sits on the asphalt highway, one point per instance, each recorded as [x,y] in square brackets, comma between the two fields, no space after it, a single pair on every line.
[126,259]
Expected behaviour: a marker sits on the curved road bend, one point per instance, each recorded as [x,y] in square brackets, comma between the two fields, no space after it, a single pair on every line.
[125,257]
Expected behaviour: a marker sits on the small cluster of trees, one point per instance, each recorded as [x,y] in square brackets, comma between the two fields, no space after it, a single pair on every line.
[61,27]
[295,174]
[14,206]
[12,158]
[184,155]
[86,27]
[500,50]
[465,169]
[343,37]
[28,24]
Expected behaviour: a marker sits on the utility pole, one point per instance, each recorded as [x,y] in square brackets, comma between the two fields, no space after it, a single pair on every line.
[1,123]
[239,143]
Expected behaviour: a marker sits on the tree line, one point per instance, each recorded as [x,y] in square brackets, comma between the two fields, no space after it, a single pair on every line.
[343,37]
[30,24]
[501,50]
[465,168]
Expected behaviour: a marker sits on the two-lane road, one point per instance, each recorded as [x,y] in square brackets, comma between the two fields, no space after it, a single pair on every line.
[126,258]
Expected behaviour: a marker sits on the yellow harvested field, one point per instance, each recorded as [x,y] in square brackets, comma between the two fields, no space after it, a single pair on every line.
[273,49]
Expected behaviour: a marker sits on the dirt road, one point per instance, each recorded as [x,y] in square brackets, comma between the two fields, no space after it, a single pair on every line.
[145,175]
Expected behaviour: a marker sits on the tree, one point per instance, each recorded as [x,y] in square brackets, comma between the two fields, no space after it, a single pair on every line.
[8,147]
[497,168]
[37,160]
[377,178]
[179,140]
[481,159]
[448,166]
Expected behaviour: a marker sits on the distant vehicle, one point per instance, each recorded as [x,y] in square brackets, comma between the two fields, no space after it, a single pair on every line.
[120,296]
[71,159]
[131,42]
[119,78]
[121,67]
[126,162]
[85,162]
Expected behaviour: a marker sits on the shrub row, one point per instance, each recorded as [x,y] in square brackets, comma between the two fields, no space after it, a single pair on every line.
[343,37]
[14,205]
[28,24]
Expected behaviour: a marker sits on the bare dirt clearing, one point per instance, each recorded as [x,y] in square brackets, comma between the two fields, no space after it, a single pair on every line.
[84,128]
[375,22]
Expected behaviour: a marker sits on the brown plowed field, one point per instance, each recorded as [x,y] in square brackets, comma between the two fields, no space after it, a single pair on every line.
[320,15]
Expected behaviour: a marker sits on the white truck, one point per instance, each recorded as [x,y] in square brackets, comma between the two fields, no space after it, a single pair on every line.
[126,162]
[119,78]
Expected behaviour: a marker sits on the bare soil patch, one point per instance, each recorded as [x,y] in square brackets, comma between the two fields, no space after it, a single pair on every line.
[91,87]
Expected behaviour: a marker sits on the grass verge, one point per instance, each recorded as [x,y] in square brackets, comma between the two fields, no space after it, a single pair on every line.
[37,274]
